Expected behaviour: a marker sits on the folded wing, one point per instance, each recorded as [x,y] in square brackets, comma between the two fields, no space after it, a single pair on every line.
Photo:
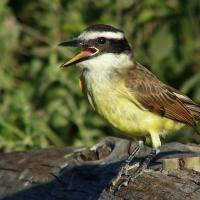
[160,98]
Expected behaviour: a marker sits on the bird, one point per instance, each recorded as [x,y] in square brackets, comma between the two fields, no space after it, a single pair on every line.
[124,92]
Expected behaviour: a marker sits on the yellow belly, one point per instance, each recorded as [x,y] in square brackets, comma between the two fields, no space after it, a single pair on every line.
[112,101]
[129,118]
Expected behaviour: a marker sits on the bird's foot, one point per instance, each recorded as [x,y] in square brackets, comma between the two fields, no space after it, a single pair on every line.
[123,178]
[123,172]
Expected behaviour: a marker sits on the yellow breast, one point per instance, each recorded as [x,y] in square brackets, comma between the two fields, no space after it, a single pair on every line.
[112,100]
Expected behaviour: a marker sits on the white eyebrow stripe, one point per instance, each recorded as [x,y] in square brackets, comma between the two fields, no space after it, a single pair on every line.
[107,34]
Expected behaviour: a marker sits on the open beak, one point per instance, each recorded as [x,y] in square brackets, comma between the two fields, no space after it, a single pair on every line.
[85,54]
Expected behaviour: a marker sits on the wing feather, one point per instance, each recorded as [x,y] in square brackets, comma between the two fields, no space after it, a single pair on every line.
[160,98]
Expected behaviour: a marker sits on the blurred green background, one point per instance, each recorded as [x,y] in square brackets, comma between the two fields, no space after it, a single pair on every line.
[41,105]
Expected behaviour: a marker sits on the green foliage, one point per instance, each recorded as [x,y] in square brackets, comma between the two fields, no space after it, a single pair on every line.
[41,104]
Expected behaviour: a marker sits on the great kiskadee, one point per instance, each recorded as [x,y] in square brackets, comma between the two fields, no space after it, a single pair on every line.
[125,93]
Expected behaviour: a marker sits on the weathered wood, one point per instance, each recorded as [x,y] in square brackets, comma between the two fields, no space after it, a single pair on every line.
[84,173]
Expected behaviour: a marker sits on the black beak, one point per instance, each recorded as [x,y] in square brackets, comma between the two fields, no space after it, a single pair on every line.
[83,55]
[73,43]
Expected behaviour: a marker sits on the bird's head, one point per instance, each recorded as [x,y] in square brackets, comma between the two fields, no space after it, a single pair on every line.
[101,45]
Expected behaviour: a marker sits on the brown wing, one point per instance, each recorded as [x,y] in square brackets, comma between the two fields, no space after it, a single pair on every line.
[159,98]
[191,106]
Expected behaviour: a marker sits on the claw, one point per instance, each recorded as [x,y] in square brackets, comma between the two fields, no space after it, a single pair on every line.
[125,167]
[123,173]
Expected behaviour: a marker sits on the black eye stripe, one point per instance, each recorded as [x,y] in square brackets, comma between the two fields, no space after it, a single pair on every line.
[101,40]
[118,46]
[110,46]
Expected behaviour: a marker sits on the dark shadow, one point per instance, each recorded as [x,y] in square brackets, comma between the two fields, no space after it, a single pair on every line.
[175,154]
[79,183]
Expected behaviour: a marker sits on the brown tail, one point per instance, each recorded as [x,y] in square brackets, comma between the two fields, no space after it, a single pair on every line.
[190,105]
[194,110]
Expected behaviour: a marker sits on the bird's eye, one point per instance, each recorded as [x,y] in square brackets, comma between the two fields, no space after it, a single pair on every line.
[101,40]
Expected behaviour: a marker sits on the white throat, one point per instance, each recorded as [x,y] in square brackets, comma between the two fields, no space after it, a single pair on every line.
[107,61]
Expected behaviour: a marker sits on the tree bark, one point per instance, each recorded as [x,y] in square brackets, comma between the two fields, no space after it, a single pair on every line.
[84,173]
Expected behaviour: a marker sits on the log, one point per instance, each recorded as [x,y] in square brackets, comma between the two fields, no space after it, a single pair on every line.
[85,173]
